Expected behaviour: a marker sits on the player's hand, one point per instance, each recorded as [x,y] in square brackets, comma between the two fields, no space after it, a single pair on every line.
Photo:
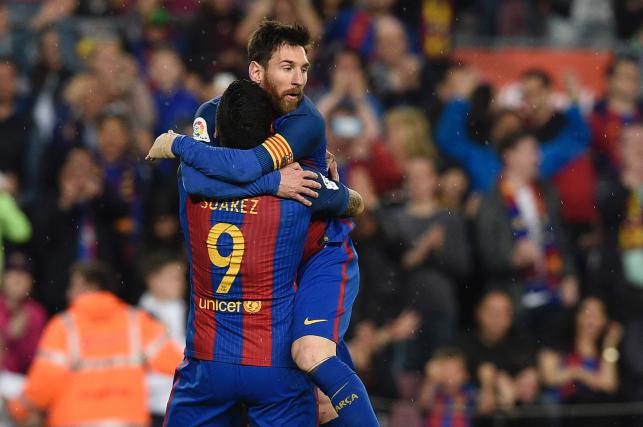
[162,147]
[297,183]
[333,172]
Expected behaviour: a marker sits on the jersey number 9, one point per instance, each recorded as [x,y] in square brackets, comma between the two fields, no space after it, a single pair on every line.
[233,260]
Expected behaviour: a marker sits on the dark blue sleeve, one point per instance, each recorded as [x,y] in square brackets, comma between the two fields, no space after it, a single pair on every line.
[571,142]
[297,137]
[333,198]
[196,182]
[222,163]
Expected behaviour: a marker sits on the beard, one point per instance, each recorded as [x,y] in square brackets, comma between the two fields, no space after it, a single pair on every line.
[282,101]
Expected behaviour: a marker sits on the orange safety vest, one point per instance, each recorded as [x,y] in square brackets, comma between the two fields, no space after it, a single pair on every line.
[91,363]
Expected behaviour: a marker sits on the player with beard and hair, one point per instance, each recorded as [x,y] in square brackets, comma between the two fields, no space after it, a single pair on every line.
[278,63]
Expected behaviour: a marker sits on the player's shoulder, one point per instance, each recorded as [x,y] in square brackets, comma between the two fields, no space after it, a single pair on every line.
[205,120]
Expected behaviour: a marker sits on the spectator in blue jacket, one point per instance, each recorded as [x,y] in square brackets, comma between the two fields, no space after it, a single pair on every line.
[481,162]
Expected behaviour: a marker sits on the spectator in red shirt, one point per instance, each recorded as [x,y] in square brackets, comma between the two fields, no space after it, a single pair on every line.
[21,319]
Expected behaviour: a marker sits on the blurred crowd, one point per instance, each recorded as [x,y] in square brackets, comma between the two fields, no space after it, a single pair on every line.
[501,251]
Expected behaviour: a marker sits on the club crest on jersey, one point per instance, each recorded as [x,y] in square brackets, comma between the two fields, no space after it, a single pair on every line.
[200,130]
[252,307]
[286,160]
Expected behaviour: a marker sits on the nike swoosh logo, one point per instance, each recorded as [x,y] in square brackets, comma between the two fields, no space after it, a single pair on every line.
[312,322]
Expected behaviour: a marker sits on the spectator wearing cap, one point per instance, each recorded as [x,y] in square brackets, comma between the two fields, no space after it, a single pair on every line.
[22,320]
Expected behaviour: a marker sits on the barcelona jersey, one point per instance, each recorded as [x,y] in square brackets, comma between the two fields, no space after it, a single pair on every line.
[244,253]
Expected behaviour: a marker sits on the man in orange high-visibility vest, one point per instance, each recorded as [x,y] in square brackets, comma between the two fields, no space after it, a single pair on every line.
[91,361]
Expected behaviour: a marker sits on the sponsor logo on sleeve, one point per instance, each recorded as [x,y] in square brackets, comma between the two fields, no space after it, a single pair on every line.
[200,130]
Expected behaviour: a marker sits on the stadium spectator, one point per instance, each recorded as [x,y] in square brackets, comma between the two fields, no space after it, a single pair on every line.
[349,84]
[620,202]
[174,104]
[576,180]
[210,41]
[124,177]
[15,127]
[481,162]
[431,245]
[21,318]
[584,368]
[521,240]
[48,78]
[52,11]
[164,299]
[356,152]
[371,348]
[118,75]
[395,71]
[97,353]
[620,107]
[448,395]
[497,341]
[78,224]
[286,11]
[354,27]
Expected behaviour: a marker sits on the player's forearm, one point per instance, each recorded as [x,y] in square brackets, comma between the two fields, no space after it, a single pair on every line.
[195,182]
[355,204]
[225,164]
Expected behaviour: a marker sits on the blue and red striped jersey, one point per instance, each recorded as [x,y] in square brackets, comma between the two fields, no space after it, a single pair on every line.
[244,254]
[243,257]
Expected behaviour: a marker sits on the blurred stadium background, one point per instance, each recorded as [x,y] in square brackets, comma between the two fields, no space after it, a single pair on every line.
[421,98]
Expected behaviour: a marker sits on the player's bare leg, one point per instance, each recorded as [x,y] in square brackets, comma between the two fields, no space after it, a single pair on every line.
[310,350]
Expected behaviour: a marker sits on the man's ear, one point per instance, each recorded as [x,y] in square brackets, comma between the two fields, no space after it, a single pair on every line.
[256,72]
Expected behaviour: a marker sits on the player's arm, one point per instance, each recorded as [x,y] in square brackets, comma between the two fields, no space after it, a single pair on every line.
[335,199]
[197,183]
[227,164]
[298,136]
[290,182]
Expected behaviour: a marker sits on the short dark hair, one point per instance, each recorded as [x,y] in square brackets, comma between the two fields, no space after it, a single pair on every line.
[511,140]
[156,261]
[96,273]
[244,116]
[271,35]
[537,73]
